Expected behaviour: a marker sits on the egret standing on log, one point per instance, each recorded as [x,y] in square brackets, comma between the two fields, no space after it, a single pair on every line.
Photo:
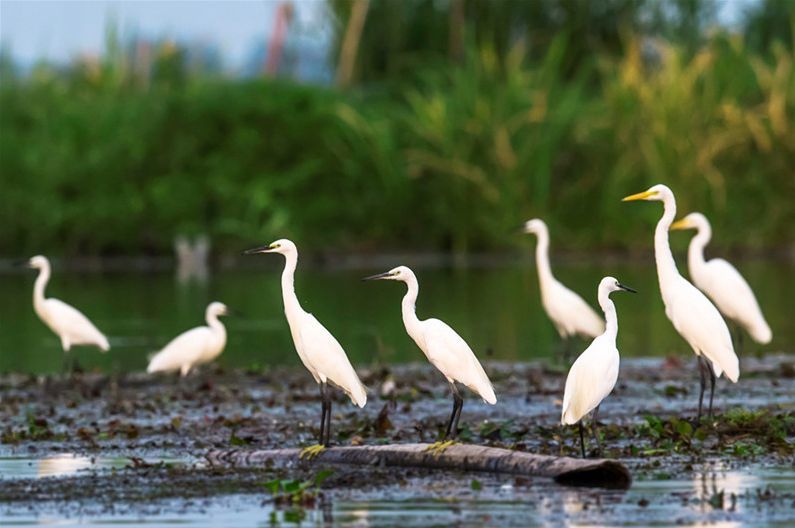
[320,353]
[723,283]
[445,349]
[692,314]
[193,347]
[68,323]
[593,375]
[570,314]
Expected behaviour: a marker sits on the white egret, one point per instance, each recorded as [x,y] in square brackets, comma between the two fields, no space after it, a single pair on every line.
[193,347]
[593,375]
[723,283]
[692,314]
[319,351]
[445,350]
[570,314]
[68,323]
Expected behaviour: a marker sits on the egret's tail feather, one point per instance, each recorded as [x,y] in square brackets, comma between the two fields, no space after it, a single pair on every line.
[359,395]
[159,364]
[487,393]
[567,418]
[761,333]
[733,370]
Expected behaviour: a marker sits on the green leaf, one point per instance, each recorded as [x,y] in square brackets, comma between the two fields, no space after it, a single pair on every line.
[236,440]
[684,428]
[273,486]
[322,475]
[476,485]
[291,486]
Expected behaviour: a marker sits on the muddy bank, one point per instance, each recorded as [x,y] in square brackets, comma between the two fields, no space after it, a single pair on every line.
[136,421]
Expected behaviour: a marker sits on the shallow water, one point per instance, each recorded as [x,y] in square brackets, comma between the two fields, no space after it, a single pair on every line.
[71,464]
[714,496]
[497,309]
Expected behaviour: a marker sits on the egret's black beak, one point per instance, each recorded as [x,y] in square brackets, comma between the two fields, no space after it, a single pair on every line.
[627,288]
[21,263]
[385,275]
[254,251]
[520,230]
[234,312]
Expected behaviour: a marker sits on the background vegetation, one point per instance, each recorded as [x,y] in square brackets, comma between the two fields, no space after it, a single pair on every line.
[464,119]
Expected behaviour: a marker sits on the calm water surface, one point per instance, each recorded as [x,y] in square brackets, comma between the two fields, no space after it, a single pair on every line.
[496,309]
[713,496]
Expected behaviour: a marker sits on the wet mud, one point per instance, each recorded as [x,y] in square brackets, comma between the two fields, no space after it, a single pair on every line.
[92,445]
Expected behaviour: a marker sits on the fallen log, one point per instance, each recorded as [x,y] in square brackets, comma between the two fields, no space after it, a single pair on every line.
[596,472]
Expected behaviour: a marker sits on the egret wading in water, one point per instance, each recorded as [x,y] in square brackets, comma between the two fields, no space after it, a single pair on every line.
[445,349]
[593,375]
[692,314]
[68,323]
[319,351]
[193,347]
[570,314]
[723,283]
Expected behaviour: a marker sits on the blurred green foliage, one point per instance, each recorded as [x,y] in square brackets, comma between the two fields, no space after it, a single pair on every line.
[100,158]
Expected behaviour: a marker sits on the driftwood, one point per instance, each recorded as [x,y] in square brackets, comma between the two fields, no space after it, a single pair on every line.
[461,457]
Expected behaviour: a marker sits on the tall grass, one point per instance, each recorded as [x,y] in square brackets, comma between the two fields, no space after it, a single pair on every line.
[98,159]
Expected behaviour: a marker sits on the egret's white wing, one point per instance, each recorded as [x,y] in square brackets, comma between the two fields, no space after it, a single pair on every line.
[68,321]
[591,378]
[571,313]
[183,352]
[449,353]
[328,359]
[700,323]
[734,298]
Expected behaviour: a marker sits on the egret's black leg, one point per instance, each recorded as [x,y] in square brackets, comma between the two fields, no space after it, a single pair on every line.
[582,439]
[711,388]
[457,395]
[703,376]
[594,423]
[322,411]
[328,417]
[458,402]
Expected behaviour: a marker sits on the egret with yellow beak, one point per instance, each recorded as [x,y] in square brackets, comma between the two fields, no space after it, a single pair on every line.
[692,314]
[723,283]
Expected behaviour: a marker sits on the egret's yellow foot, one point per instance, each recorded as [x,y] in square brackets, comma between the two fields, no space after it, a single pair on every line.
[437,448]
[311,452]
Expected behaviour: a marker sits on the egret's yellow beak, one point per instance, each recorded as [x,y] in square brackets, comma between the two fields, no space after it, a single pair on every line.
[680,224]
[640,196]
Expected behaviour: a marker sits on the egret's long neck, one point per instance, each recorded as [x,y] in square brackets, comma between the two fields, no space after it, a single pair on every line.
[611,320]
[215,325]
[38,287]
[695,251]
[666,266]
[542,259]
[291,304]
[408,308]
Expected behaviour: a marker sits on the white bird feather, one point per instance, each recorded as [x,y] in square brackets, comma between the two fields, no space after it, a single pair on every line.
[67,322]
[570,314]
[193,347]
[722,282]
